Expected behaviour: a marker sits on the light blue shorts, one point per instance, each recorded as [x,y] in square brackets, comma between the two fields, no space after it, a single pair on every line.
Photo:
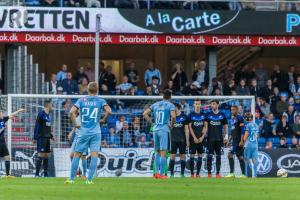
[73,146]
[251,152]
[85,142]
[161,140]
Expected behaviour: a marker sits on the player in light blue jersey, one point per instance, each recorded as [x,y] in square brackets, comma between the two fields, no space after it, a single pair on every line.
[162,112]
[251,144]
[90,108]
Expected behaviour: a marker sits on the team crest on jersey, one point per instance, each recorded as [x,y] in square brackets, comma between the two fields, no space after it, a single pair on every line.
[84,99]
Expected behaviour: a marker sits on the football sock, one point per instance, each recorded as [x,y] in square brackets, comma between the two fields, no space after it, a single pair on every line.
[192,165]
[93,167]
[7,167]
[172,165]
[84,166]
[182,165]
[199,164]
[74,167]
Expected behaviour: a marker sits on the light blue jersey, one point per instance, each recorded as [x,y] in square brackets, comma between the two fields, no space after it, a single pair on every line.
[253,131]
[90,112]
[162,113]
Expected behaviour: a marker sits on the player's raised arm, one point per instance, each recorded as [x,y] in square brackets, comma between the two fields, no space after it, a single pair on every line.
[107,112]
[73,112]
[12,115]
[146,115]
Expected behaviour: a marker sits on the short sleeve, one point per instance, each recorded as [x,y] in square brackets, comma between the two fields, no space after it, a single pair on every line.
[78,103]
[152,107]
[172,107]
[103,103]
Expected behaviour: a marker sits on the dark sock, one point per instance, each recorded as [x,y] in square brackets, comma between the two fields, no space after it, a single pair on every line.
[209,163]
[242,165]
[231,164]
[199,164]
[38,166]
[45,166]
[7,167]
[192,164]
[218,163]
[182,164]
[172,165]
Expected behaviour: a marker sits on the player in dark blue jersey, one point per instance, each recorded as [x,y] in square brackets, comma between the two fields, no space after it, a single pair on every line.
[236,127]
[197,135]
[216,125]
[4,152]
[89,132]
[179,140]
[42,137]
[163,112]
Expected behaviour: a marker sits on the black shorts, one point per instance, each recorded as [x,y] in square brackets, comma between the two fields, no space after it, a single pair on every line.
[196,148]
[3,149]
[181,146]
[43,145]
[215,147]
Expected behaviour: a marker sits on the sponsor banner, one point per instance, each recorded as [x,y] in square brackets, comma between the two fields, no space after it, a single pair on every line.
[112,20]
[270,161]
[133,162]
[150,39]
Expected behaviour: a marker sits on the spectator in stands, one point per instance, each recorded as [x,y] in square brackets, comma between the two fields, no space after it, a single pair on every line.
[90,72]
[126,135]
[204,91]
[142,143]
[280,78]
[120,123]
[104,90]
[169,86]
[267,91]
[58,101]
[291,101]
[125,87]
[200,75]
[228,72]
[101,77]
[114,139]
[217,92]
[136,128]
[229,87]
[215,84]
[62,74]
[69,85]
[132,74]
[295,143]
[109,79]
[269,145]
[49,3]
[155,88]
[104,143]
[242,73]
[291,114]
[296,127]
[179,78]
[292,74]
[74,3]
[242,89]
[80,75]
[283,129]
[254,88]
[65,119]
[282,143]
[282,105]
[150,73]
[295,87]
[53,84]
[264,106]
[93,3]
[148,91]
[275,97]
[268,127]
[83,87]
[184,107]
[192,90]
[297,103]
[261,76]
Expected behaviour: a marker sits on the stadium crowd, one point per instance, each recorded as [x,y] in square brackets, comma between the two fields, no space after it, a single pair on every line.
[277,98]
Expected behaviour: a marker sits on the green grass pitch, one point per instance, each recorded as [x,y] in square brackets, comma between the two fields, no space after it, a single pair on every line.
[148,188]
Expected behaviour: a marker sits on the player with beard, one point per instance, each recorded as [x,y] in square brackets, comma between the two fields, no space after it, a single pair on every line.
[215,123]
[179,140]
[197,135]
[237,128]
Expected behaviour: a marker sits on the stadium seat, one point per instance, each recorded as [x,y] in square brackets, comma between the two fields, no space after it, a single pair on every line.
[140,92]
